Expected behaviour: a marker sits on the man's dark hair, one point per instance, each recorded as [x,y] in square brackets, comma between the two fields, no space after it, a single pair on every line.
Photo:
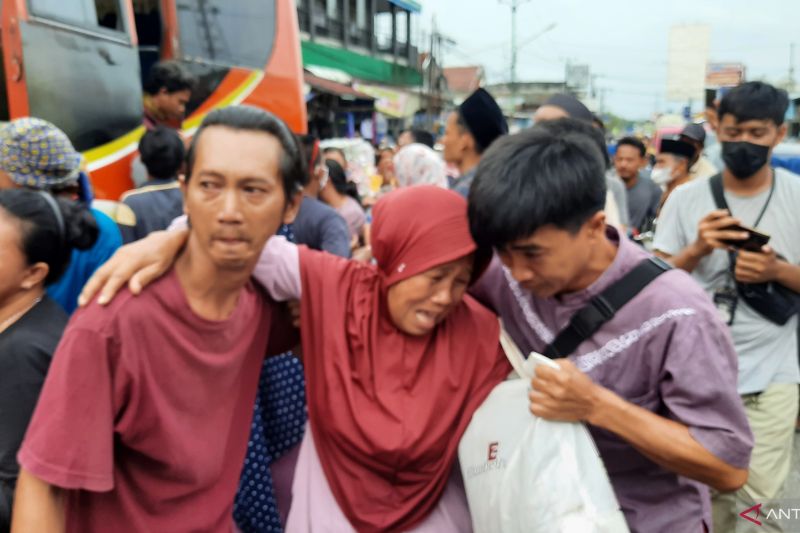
[533,179]
[755,100]
[169,75]
[633,141]
[598,123]
[310,159]
[162,152]
[422,137]
[338,179]
[562,126]
[249,118]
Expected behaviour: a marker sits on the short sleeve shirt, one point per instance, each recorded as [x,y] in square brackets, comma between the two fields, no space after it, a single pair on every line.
[643,201]
[320,227]
[145,413]
[666,351]
[152,208]
[767,352]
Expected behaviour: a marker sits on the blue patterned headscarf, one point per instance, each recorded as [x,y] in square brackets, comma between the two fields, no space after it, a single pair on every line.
[38,155]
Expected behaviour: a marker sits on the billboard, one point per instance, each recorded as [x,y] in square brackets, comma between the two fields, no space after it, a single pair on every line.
[724,75]
[577,76]
[686,63]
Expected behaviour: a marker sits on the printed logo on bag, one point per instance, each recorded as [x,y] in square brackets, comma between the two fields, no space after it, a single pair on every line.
[493,462]
[493,451]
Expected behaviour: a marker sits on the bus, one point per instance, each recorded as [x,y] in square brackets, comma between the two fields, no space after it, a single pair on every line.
[80,64]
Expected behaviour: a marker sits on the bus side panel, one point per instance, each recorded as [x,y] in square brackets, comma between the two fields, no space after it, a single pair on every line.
[88,87]
[111,180]
[12,59]
[281,90]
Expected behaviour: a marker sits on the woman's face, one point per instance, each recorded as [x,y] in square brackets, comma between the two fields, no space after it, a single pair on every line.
[14,265]
[418,304]
[386,163]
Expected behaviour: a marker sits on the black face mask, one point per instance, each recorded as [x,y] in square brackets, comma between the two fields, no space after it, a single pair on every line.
[744,159]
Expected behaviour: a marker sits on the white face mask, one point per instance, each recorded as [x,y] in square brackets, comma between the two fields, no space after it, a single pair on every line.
[661,176]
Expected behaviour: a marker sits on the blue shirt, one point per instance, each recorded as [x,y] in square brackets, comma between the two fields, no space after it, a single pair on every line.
[320,227]
[83,263]
[150,208]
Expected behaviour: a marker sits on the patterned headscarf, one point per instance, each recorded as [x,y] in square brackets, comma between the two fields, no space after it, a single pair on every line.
[416,164]
[38,155]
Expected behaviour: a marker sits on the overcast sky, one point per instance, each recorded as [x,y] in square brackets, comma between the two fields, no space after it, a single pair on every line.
[625,42]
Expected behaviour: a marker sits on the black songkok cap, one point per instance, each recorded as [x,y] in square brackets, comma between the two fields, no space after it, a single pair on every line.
[681,148]
[570,104]
[484,118]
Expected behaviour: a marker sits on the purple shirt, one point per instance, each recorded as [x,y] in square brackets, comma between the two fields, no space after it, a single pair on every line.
[666,351]
[354,215]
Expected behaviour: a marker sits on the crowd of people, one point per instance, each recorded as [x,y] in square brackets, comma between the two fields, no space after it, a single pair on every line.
[260,346]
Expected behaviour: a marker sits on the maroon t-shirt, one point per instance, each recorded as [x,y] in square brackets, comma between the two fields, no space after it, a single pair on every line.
[146,410]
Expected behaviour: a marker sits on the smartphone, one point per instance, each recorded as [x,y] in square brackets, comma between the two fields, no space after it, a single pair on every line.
[753,243]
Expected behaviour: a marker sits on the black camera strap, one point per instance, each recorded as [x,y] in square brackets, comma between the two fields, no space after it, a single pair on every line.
[719,195]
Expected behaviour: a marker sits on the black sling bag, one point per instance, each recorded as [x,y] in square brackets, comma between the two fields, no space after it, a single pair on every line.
[771,300]
[604,306]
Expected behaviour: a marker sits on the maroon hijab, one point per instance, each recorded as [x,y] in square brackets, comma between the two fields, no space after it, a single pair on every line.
[387,409]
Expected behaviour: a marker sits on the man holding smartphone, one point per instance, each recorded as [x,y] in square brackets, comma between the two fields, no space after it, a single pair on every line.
[693,234]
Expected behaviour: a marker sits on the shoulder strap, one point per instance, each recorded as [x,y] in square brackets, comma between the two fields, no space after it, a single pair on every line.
[718,191]
[604,306]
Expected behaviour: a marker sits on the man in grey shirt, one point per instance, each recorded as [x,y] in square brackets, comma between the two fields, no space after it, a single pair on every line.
[644,196]
[692,232]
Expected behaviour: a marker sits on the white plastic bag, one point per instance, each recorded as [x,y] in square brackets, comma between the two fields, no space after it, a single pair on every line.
[524,474]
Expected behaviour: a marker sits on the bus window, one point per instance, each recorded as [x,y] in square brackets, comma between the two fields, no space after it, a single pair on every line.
[90,14]
[149,28]
[228,33]
[80,72]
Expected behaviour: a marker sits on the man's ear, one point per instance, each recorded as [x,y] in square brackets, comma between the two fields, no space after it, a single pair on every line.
[782,130]
[597,224]
[292,207]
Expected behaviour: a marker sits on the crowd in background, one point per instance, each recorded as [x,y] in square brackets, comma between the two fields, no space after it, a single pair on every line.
[160,412]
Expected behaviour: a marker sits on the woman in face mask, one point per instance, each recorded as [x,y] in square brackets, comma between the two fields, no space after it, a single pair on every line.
[672,166]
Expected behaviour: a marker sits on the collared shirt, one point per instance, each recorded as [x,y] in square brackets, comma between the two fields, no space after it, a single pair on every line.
[149,208]
[666,351]
[462,184]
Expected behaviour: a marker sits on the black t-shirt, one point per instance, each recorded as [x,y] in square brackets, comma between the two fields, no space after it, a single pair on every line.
[26,348]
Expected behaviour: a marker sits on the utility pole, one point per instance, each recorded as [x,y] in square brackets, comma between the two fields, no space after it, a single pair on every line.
[514,5]
[790,84]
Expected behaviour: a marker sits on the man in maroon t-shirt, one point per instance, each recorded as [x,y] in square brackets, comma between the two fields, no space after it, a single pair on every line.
[144,418]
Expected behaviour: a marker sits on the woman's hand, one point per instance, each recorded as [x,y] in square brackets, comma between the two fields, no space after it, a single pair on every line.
[138,264]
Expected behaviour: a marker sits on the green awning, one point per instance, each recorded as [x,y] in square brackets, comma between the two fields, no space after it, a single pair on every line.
[359,66]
